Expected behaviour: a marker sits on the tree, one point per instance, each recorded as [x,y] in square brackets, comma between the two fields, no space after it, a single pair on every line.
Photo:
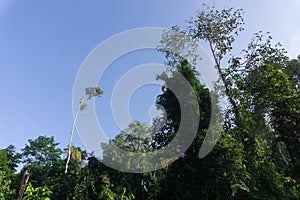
[90,92]
[213,176]
[42,151]
[5,176]
[40,156]
[136,138]
[219,29]
[13,157]
[250,168]
[285,112]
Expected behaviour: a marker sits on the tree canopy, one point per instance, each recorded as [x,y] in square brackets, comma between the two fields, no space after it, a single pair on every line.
[256,157]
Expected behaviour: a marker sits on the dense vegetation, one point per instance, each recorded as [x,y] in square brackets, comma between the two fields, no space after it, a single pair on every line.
[256,157]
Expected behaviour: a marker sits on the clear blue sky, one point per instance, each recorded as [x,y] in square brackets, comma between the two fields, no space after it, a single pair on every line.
[43,43]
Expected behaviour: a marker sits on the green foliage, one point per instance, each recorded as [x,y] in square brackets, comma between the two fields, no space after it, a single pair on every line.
[5,182]
[218,27]
[42,151]
[5,176]
[256,87]
[13,157]
[4,162]
[256,157]
[106,193]
[39,193]
[135,138]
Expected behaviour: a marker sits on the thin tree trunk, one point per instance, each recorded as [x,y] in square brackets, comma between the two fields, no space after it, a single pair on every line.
[227,89]
[71,136]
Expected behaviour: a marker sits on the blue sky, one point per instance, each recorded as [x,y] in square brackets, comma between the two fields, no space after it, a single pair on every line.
[43,43]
